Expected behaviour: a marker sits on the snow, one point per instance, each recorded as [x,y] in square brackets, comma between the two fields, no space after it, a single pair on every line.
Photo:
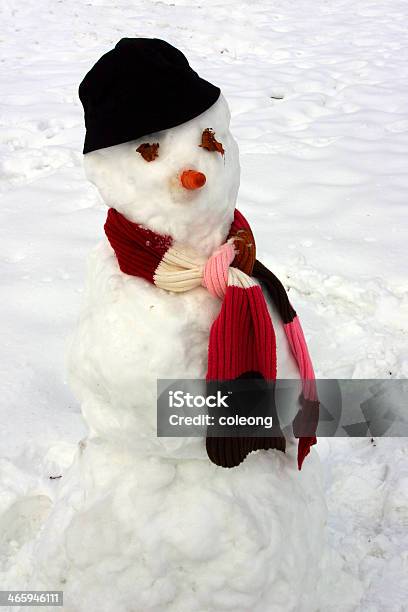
[181,535]
[317,93]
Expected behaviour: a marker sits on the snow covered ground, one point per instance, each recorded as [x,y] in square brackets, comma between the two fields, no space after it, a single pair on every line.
[318,93]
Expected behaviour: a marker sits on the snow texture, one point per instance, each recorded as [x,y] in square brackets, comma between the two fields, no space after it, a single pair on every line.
[317,93]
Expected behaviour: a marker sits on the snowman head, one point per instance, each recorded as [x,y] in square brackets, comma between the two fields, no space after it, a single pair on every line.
[169,182]
[158,146]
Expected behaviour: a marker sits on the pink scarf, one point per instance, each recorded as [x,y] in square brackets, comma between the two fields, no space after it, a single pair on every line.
[242,339]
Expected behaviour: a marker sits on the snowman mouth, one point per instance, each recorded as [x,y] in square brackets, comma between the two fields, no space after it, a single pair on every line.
[192,179]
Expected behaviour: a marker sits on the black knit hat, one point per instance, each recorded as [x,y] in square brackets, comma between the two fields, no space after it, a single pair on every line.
[143,85]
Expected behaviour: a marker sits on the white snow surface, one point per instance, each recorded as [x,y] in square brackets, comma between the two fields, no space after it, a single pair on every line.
[317,93]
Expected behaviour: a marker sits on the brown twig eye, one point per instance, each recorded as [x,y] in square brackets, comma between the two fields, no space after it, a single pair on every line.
[209,142]
[149,152]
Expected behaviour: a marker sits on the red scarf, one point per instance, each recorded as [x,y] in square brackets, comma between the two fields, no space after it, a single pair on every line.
[242,338]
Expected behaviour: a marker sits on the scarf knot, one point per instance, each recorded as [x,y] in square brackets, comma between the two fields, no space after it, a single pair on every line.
[215,273]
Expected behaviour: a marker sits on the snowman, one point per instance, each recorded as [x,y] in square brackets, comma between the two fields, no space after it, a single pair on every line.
[178,524]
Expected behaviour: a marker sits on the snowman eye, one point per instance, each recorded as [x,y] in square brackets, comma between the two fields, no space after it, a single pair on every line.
[209,142]
[148,151]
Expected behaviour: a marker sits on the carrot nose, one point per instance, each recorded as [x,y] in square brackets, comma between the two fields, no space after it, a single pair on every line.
[191,179]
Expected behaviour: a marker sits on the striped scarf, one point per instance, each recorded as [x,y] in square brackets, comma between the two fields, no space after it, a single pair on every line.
[242,339]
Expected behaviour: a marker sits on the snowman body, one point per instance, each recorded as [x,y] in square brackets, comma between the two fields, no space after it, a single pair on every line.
[150,524]
[132,333]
